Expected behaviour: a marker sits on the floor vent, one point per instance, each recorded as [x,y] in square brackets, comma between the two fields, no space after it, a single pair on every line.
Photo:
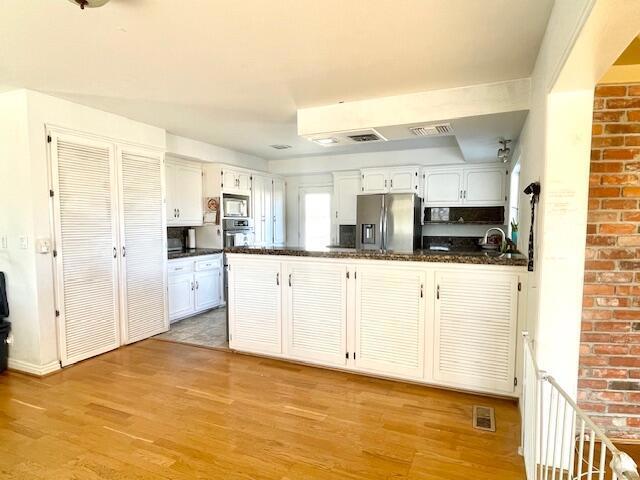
[484,418]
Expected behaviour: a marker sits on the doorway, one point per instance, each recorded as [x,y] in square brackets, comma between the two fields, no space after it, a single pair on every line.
[315,217]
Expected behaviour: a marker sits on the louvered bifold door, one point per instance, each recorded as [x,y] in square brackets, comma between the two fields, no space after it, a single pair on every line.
[475,330]
[85,206]
[317,312]
[143,252]
[390,306]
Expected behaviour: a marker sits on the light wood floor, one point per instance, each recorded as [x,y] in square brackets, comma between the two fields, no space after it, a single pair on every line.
[158,410]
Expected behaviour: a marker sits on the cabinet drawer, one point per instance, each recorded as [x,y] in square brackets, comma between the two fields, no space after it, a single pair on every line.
[208,264]
[180,267]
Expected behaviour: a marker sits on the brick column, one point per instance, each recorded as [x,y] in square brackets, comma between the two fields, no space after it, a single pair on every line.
[609,376]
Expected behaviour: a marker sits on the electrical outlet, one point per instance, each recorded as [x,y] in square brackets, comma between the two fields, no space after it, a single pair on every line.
[43,245]
[24,242]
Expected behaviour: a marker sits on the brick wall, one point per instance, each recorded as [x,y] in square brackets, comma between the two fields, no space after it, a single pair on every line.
[609,376]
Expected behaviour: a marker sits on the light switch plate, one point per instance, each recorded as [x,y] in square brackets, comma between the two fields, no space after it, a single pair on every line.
[24,242]
[4,242]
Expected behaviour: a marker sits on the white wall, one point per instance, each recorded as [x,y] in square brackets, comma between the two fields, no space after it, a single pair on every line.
[183,147]
[582,39]
[16,220]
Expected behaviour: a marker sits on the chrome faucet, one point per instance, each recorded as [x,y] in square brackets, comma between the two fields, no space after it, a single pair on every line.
[502,242]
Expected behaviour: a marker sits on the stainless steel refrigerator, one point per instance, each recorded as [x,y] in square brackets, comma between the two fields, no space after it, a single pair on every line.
[389,222]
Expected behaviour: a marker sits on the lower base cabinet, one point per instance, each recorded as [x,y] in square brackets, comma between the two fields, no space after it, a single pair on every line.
[449,325]
[389,321]
[317,312]
[195,284]
[255,294]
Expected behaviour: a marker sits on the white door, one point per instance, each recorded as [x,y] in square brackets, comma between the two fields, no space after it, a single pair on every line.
[485,187]
[258,210]
[389,320]
[475,330]
[86,224]
[374,181]
[171,172]
[346,198]
[315,217]
[181,295]
[207,288]
[267,209]
[278,212]
[229,181]
[443,188]
[255,323]
[244,182]
[143,249]
[403,181]
[188,189]
[317,312]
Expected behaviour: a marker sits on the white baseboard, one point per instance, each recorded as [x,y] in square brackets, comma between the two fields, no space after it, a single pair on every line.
[32,368]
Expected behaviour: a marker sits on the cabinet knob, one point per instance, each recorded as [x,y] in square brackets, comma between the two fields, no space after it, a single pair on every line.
[191,286]
[197,285]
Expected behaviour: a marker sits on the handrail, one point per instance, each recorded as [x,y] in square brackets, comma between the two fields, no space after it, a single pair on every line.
[546,436]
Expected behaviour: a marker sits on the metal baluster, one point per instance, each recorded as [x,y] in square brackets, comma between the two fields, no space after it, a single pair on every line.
[592,446]
[581,450]
[572,445]
[603,454]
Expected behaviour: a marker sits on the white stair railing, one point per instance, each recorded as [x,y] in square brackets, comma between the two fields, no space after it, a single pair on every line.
[559,440]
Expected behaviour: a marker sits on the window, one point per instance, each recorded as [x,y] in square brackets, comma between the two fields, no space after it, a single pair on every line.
[315,209]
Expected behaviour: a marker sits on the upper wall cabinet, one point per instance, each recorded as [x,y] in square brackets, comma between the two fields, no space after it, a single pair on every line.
[184,193]
[236,181]
[390,180]
[481,186]
[346,186]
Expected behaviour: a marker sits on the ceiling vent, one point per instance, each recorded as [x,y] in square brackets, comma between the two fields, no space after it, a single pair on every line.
[440,130]
[365,137]
[280,146]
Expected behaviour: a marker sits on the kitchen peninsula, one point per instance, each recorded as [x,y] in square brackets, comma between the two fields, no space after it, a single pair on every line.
[442,318]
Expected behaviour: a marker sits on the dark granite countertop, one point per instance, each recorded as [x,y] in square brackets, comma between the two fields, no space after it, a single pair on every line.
[193,252]
[470,257]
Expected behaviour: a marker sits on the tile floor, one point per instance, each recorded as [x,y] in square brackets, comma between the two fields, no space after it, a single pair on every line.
[208,329]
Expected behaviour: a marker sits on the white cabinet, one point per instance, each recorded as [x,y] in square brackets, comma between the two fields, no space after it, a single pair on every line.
[208,288]
[268,197]
[346,186]
[485,187]
[389,320]
[475,331]
[449,325]
[317,312]
[279,225]
[236,181]
[390,180]
[110,244]
[443,187]
[195,285]
[255,307]
[184,193]
[481,186]
[262,204]
[181,297]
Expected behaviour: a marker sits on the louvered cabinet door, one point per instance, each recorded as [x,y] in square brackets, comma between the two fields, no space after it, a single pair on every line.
[475,330]
[389,321]
[143,251]
[317,312]
[255,321]
[85,206]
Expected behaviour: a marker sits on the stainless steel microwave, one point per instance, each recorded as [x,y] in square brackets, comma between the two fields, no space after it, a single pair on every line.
[235,206]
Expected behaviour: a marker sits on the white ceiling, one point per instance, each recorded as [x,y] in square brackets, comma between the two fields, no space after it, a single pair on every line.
[234,73]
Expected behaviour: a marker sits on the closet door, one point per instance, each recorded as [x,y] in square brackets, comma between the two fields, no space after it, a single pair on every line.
[85,205]
[143,272]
